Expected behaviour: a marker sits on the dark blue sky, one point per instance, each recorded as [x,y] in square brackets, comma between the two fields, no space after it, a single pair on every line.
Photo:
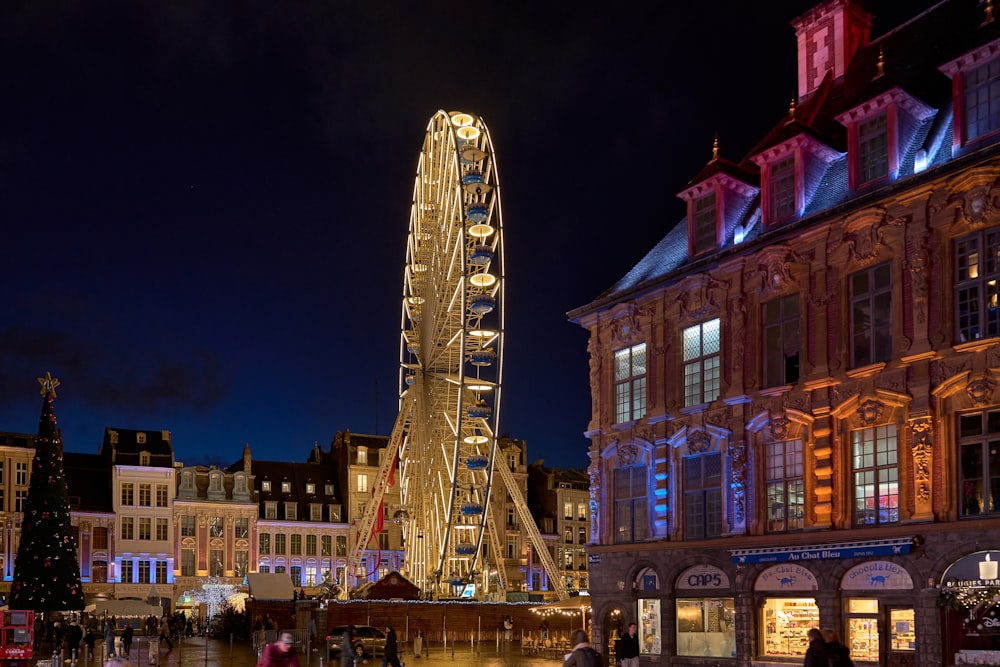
[204,205]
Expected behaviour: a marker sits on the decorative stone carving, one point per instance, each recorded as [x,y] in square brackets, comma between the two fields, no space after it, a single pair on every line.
[974,206]
[698,441]
[894,380]
[628,454]
[919,263]
[626,328]
[738,462]
[948,368]
[841,392]
[980,390]
[596,359]
[922,451]
[738,318]
[870,411]
[773,273]
[697,299]
[865,233]
[779,427]
[594,472]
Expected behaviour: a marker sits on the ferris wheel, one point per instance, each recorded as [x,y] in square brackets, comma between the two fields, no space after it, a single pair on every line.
[451,346]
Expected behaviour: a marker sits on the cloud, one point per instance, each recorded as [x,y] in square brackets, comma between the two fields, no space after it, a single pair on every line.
[107,375]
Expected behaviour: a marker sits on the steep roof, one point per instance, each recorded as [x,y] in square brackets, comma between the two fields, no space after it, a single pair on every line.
[906,59]
[88,482]
[124,446]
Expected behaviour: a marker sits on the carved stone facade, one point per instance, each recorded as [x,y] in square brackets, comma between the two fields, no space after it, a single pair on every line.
[886,368]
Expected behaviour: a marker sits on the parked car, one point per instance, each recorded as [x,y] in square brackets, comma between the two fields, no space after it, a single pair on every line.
[368,641]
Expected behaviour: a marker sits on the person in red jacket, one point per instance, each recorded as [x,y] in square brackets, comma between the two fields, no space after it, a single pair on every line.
[280,653]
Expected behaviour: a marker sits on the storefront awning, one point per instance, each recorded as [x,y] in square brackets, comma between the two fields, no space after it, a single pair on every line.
[807,552]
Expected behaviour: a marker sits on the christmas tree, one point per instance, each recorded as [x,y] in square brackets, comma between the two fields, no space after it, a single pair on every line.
[46,572]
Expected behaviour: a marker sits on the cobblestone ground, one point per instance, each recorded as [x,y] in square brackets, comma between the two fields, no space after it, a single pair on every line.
[202,652]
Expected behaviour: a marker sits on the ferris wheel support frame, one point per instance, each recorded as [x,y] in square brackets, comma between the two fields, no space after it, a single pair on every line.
[362,533]
[556,582]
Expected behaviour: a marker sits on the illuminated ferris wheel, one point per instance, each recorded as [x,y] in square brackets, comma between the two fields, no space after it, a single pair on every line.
[450,355]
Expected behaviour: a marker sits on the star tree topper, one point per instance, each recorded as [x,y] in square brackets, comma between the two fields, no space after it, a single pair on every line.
[49,384]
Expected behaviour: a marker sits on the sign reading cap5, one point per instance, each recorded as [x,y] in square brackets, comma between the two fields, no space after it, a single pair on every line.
[702,577]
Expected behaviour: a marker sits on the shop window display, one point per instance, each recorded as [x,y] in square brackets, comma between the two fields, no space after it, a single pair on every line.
[706,627]
[862,635]
[784,625]
[649,627]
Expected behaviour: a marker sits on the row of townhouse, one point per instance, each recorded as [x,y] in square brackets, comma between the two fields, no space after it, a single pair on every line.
[148,526]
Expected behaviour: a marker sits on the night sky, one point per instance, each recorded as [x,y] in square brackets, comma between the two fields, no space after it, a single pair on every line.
[204,205]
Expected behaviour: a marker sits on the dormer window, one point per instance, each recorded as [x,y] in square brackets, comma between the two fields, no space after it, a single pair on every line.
[705,216]
[781,189]
[879,132]
[362,456]
[982,100]
[140,438]
[144,458]
[873,149]
[976,85]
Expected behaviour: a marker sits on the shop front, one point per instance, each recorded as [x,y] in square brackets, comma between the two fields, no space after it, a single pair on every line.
[970,597]
[878,612]
[869,603]
[705,613]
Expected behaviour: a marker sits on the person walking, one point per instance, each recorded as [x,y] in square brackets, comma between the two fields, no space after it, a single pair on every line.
[127,639]
[109,639]
[391,648]
[628,647]
[89,640]
[816,654]
[165,632]
[582,654]
[839,655]
[74,635]
[280,653]
[348,656]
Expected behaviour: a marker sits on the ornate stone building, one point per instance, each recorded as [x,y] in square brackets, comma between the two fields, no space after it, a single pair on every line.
[215,528]
[795,415]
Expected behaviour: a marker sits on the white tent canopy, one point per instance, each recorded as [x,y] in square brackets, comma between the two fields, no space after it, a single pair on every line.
[128,608]
[271,586]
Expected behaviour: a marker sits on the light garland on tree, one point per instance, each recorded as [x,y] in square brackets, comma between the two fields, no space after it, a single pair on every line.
[215,593]
[961,597]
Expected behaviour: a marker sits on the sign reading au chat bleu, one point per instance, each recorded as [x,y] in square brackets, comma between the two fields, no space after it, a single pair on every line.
[809,552]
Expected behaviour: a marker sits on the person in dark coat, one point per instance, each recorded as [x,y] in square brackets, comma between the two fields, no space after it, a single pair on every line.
[74,634]
[391,648]
[840,655]
[582,655]
[816,655]
[628,647]
[347,655]
[127,638]
[90,640]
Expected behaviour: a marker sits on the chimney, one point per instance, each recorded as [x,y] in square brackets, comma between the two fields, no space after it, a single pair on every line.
[828,36]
